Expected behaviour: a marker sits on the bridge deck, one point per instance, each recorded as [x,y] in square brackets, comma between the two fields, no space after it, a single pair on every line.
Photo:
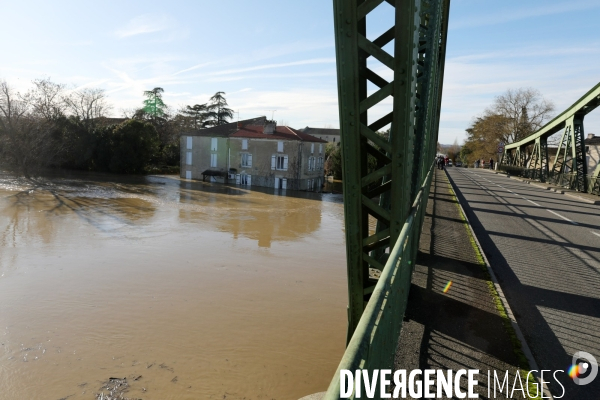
[462,328]
[545,250]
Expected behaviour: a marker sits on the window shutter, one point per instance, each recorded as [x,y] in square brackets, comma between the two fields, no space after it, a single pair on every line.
[189,142]
[280,147]
[249,163]
[237,179]
[213,144]
[321,149]
[285,163]
[249,180]
[244,144]
[284,183]
[312,148]
[188,158]
[273,162]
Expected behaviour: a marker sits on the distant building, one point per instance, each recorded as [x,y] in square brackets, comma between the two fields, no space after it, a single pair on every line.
[254,152]
[328,134]
[592,152]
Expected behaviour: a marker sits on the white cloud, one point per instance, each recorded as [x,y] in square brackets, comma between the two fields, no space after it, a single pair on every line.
[278,65]
[152,23]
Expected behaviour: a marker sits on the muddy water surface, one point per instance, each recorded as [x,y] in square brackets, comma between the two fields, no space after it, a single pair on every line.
[189,290]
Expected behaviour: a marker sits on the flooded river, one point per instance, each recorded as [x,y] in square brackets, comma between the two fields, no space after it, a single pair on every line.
[189,290]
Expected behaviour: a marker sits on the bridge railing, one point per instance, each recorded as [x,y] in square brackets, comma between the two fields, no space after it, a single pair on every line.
[373,344]
[566,180]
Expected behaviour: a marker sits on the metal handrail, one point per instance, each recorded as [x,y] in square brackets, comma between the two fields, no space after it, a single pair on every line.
[369,345]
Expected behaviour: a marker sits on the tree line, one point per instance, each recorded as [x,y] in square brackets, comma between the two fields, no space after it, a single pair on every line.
[513,116]
[51,126]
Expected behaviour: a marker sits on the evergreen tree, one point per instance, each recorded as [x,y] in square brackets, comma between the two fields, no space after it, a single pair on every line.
[154,105]
[218,112]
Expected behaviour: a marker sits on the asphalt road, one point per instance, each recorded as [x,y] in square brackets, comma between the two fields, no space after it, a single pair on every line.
[545,250]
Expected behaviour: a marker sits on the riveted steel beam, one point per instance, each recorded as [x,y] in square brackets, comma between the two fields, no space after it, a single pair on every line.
[397,168]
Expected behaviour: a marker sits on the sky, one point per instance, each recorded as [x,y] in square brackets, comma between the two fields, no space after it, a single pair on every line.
[277,58]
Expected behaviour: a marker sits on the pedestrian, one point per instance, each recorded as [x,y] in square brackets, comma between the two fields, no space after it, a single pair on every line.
[476,163]
[491,163]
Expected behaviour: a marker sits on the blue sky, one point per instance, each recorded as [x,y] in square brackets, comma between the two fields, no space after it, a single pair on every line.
[279,55]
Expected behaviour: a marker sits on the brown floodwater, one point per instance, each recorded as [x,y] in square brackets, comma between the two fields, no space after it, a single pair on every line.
[190,290]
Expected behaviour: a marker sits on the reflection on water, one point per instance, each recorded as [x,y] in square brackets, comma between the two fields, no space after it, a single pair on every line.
[188,289]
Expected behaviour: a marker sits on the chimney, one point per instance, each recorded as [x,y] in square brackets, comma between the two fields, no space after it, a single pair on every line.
[239,125]
[269,127]
[591,136]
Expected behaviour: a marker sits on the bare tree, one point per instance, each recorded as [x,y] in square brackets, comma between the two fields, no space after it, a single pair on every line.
[26,140]
[523,111]
[47,99]
[87,103]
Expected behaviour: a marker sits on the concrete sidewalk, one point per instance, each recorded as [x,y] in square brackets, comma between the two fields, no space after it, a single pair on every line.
[465,328]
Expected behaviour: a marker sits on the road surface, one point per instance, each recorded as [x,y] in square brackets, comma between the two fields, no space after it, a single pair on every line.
[545,250]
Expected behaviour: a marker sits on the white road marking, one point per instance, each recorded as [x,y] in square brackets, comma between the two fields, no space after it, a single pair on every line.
[596,233]
[565,218]
[532,202]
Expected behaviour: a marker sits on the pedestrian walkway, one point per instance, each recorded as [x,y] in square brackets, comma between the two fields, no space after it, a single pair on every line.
[465,327]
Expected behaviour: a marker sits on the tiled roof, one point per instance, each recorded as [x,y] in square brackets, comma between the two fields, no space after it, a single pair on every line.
[280,133]
[226,129]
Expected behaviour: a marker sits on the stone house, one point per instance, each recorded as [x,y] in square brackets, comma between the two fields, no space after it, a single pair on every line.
[592,153]
[328,134]
[254,152]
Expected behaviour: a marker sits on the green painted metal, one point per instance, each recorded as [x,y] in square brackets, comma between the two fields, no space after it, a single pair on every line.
[395,193]
[374,341]
[570,167]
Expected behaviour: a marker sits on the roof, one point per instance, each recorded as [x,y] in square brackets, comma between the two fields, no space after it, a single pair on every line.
[226,129]
[280,133]
[593,141]
[321,131]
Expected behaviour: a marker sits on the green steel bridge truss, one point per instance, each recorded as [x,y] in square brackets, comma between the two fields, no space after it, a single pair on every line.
[529,156]
[380,261]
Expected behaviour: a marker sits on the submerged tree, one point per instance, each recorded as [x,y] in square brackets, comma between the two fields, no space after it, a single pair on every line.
[27,139]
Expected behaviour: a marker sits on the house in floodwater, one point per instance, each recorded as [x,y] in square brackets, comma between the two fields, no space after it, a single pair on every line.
[254,152]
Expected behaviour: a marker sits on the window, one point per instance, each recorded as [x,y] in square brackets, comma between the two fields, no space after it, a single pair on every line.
[280,147]
[189,143]
[246,160]
[188,158]
[279,162]
[213,144]
[312,148]
[213,160]
[311,163]
[321,148]
[243,179]
[244,144]
[320,163]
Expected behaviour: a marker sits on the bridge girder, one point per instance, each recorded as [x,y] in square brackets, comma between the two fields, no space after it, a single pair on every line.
[570,167]
[386,193]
